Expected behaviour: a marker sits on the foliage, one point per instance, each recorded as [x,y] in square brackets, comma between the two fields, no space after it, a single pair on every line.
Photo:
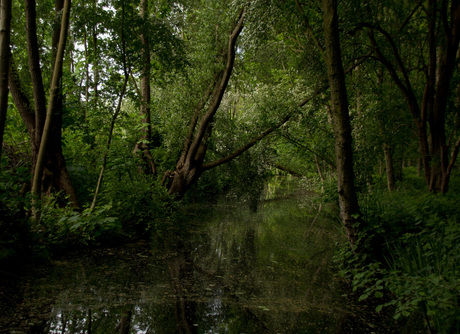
[408,256]
[64,228]
[407,250]
[14,227]
[139,201]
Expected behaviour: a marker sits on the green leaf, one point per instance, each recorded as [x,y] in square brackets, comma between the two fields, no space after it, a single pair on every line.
[378,294]
[363,297]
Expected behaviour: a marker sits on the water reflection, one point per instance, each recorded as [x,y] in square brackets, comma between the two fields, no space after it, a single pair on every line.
[233,272]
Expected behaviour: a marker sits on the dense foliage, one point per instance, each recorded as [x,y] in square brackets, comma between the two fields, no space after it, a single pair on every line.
[162,103]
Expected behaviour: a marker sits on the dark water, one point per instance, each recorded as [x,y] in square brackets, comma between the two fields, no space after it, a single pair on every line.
[228,271]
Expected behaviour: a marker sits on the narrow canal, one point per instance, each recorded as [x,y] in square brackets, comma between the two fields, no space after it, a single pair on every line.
[228,270]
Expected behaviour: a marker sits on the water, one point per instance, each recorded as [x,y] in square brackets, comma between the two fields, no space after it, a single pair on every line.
[226,271]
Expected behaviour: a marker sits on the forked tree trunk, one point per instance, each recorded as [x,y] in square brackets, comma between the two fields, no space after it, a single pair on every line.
[349,208]
[53,99]
[36,77]
[55,173]
[190,165]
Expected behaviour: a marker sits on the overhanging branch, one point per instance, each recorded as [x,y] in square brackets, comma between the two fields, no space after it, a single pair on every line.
[264,134]
[247,146]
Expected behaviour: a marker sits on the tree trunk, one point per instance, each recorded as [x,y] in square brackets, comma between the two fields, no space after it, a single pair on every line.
[53,99]
[117,110]
[143,146]
[437,116]
[5,26]
[431,112]
[96,60]
[349,208]
[109,140]
[87,79]
[190,165]
[389,167]
[35,76]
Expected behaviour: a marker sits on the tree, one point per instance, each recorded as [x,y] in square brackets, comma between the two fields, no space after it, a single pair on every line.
[348,200]
[53,100]
[56,175]
[143,145]
[5,26]
[442,21]
[190,165]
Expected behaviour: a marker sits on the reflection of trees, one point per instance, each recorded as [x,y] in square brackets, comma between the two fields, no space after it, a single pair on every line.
[182,283]
[236,315]
[243,274]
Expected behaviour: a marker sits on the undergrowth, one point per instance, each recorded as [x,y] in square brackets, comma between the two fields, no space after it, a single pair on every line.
[408,255]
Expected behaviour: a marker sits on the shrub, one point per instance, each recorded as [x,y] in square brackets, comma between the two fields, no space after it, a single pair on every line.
[409,248]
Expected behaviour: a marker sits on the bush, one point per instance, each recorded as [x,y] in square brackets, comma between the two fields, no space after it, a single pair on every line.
[140,202]
[409,248]
[64,228]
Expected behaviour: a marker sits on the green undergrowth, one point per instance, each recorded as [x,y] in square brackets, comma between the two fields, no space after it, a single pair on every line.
[408,255]
[125,212]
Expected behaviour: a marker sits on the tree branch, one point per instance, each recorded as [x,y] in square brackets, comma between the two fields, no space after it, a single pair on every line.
[244,148]
[406,90]
[322,157]
[264,134]
[309,28]
[406,21]
[286,169]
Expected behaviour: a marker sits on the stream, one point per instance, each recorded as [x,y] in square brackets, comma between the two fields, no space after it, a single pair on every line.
[228,270]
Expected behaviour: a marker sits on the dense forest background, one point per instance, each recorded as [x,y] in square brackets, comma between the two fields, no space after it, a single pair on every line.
[116,112]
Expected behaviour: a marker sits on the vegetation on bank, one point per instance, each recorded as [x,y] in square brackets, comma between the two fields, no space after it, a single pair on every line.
[408,255]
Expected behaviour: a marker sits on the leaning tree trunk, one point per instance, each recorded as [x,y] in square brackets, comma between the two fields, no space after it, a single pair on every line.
[53,98]
[126,73]
[190,165]
[5,25]
[349,208]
